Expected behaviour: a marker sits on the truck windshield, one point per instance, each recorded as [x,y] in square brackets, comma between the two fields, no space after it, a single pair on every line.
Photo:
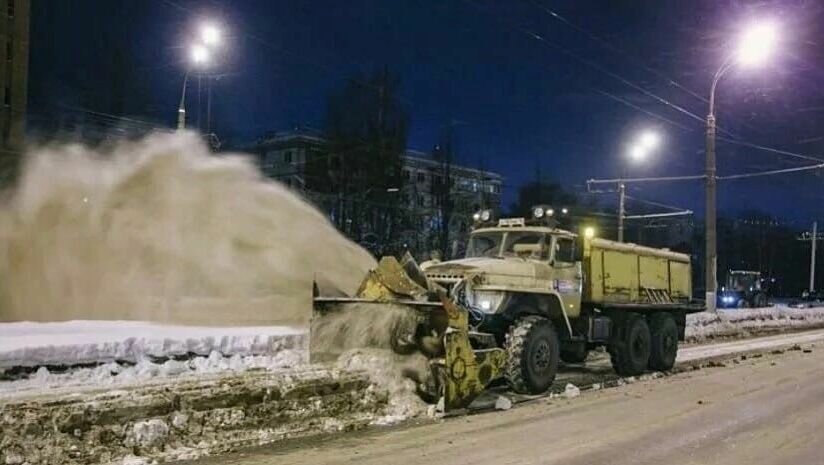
[525,244]
[484,245]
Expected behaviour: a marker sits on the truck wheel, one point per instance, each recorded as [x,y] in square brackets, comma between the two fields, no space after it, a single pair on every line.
[629,351]
[532,355]
[574,352]
[664,346]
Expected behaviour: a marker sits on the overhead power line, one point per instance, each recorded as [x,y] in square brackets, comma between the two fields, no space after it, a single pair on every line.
[770,149]
[615,49]
[647,112]
[770,172]
[635,180]
[655,204]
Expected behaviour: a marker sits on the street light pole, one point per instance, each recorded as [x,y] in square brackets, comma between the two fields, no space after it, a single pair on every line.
[622,192]
[812,256]
[181,110]
[710,223]
[755,45]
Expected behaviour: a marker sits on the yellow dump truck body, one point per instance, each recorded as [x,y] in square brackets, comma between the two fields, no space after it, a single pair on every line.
[621,273]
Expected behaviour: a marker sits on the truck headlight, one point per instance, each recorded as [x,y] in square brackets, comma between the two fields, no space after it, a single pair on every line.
[728,299]
[488,301]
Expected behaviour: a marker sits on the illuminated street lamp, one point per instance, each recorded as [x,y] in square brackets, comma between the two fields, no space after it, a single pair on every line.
[200,55]
[647,141]
[756,44]
[210,34]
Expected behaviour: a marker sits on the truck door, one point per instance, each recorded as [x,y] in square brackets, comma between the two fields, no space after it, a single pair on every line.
[567,274]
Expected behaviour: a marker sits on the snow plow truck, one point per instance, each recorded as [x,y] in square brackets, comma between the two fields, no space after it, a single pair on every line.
[525,295]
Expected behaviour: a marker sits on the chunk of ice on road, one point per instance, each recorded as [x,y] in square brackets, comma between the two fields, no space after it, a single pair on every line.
[571,391]
[503,403]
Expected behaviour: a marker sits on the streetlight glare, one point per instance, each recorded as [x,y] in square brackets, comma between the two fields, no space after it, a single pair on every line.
[638,152]
[650,140]
[210,34]
[757,43]
[200,54]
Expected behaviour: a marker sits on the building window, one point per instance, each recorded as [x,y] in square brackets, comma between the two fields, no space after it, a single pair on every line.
[421,176]
[269,159]
[287,156]
[406,175]
[11,8]
[421,201]
[7,96]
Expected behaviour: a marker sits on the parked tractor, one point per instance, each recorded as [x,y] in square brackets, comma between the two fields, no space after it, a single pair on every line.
[743,289]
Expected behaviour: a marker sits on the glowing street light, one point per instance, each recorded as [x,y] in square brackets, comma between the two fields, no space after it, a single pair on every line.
[199,54]
[210,34]
[756,44]
[647,141]
[638,153]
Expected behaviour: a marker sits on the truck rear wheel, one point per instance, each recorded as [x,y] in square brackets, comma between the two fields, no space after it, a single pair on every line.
[664,341]
[629,349]
[532,355]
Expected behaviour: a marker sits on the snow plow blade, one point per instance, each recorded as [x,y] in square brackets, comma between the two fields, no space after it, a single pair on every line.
[396,308]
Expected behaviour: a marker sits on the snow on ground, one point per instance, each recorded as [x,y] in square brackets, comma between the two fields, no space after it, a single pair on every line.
[114,374]
[741,322]
[79,342]
[118,353]
[67,355]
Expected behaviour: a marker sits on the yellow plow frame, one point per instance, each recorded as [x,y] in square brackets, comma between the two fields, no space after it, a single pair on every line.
[396,308]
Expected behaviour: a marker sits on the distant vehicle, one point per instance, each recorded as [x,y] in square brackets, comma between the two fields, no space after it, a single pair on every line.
[743,289]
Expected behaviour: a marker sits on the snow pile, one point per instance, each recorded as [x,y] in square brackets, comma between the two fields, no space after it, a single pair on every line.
[394,373]
[742,322]
[69,343]
[115,374]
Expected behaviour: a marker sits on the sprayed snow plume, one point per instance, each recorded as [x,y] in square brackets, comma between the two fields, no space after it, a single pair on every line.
[162,230]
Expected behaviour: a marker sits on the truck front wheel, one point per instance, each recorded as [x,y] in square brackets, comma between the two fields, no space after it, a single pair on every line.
[629,349]
[664,341]
[532,355]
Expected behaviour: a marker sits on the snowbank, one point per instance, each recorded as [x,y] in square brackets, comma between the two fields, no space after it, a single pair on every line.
[56,357]
[741,322]
[27,344]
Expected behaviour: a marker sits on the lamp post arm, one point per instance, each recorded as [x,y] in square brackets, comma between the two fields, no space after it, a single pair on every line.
[725,66]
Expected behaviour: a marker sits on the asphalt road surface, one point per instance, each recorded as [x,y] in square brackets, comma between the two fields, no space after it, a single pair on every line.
[765,410]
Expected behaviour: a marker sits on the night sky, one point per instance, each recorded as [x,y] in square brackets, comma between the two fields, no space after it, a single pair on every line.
[563,85]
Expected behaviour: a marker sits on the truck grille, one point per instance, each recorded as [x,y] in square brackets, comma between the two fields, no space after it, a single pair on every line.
[447,281]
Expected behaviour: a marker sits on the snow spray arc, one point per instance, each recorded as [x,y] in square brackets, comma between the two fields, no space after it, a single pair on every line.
[162,230]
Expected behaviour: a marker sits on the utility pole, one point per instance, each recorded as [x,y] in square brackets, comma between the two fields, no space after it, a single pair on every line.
[711,259]
[814,239]
[622,192]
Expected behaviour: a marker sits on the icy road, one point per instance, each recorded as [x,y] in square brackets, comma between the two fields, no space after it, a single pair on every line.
[765,410]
